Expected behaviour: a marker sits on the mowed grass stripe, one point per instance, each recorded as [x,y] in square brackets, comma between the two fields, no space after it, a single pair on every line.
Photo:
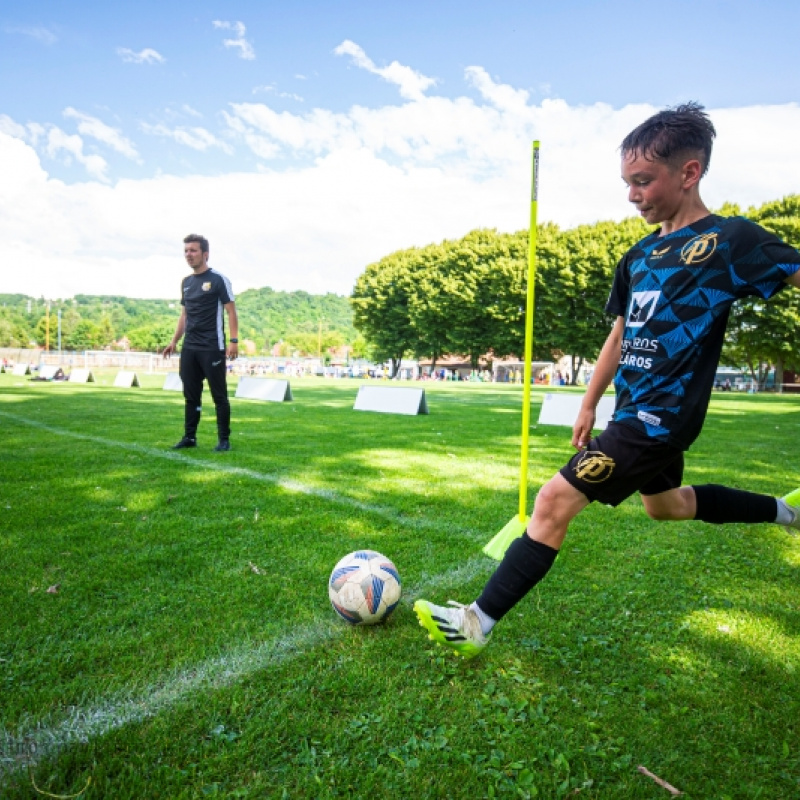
[45,739]
[655,644]
[42,738]
[264,477]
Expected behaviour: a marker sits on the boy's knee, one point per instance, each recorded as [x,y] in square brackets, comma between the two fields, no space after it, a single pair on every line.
[675,504]
[661,514]
[559,499]
[547,497]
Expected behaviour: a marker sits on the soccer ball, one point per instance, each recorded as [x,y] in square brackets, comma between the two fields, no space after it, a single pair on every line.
[364,587]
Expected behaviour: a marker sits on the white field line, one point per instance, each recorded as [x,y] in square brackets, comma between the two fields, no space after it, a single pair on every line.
[46,738]
[262,477]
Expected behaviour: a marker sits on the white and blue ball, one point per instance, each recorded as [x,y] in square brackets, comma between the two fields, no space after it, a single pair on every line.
[364,587]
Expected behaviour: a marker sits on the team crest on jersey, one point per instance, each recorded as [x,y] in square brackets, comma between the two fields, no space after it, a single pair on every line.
[699,248]
[643,304]
[206,286]
[594,466]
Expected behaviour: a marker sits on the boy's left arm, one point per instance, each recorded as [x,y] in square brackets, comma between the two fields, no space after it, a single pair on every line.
[794,279]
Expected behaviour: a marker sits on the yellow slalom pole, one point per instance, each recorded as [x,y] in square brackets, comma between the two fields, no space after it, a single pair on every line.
[497,547]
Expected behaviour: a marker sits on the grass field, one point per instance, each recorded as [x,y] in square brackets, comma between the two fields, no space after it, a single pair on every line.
[165,630]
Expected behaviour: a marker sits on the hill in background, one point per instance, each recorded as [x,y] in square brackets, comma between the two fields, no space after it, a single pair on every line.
[302,322]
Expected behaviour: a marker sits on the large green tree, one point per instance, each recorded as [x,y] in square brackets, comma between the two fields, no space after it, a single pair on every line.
[577,270]
[468,297]
[381,306]
[763,335]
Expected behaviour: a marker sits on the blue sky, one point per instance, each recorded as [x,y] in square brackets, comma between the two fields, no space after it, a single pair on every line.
[306,139]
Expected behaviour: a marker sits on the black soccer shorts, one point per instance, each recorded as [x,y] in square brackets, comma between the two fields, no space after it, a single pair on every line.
[622,461]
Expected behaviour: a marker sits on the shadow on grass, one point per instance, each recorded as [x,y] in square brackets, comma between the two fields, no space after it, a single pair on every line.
[671,645]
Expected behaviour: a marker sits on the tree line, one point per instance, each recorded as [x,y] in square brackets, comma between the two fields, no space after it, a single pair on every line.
[462,297]
[467,297]
[291,323]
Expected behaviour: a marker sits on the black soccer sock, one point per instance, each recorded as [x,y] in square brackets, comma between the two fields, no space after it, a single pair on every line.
[720,504]
[525,563]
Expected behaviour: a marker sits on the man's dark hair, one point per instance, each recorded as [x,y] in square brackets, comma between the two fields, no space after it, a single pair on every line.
[672,136]
[201,240]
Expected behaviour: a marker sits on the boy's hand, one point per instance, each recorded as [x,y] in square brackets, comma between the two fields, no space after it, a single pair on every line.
[582,430]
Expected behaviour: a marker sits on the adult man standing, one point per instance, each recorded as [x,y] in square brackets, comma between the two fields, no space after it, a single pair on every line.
[204,294]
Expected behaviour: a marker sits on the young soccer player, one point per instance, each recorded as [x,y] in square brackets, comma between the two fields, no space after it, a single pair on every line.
[671,295]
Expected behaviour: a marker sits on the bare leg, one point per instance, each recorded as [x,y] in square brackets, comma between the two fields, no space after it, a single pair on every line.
[557,504]
[674,504]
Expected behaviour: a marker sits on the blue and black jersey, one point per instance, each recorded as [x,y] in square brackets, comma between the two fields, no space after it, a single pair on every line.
[203,296]
[674,293]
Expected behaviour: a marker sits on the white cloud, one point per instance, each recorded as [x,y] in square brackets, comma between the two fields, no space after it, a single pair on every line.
[63,145]
[12,128]
[412,84]
[96,129]
[237,27]
[272,89]
[361,183]
[42,35]
[196,138]
[146,56]
[241,44]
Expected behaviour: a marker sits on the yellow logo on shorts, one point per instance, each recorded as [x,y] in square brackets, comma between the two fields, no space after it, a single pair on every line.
[206,286]
[594,466]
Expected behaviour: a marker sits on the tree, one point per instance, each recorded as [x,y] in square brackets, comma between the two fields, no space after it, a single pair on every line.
[468,295]
[381,300]
[85,336]
[762,335]
[151,338]
[577,272]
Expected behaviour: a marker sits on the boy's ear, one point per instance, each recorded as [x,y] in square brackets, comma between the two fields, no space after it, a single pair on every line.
[691,172]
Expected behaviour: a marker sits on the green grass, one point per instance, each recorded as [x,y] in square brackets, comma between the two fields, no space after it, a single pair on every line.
[190,650]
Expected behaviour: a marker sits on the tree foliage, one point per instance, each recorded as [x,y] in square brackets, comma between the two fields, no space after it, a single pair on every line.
[88,322]
[461,297]
[763,335]
[467,297]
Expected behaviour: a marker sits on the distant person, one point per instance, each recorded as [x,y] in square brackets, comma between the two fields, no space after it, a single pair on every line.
[671,296]
[204,294]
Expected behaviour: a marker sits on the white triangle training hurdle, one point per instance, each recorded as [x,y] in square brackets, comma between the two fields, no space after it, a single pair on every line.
[264,389]
[81,376]
[21,369]
[562,409]
[173,382]
[126,379]
[391,400]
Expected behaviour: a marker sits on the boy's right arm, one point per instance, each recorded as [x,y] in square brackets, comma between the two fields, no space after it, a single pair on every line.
[603,374]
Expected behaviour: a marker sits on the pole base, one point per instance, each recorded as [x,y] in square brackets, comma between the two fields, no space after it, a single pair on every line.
[497,547]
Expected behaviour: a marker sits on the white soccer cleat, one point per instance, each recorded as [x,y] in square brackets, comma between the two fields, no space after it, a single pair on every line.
[792,501]
[457,628]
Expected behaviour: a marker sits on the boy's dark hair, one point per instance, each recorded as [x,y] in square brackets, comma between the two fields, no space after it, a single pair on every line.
[201,240]
[673,135]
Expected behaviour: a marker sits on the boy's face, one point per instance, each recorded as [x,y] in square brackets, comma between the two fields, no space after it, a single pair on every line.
[654,187]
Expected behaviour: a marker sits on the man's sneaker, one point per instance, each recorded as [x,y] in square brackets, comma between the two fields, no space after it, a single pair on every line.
[185,442]
[223,445]
[792,500]
[457,628]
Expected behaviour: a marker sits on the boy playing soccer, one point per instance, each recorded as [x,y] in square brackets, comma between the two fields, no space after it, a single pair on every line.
[671,295]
